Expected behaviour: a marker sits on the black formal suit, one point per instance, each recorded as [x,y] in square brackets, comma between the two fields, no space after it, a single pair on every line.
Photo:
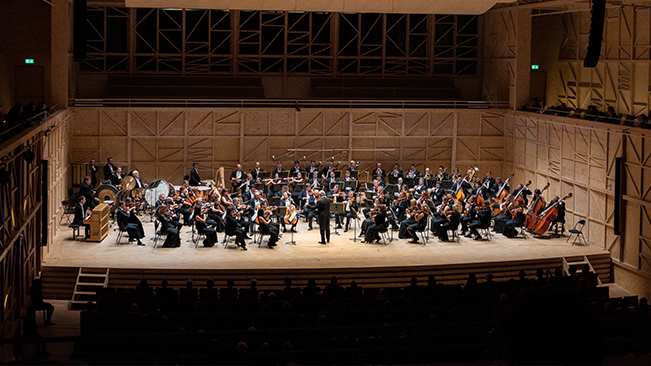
[280,172]
[80,215]
[86,191]
[139,183]
[294,171]
[323,209]
[194,177]
[379,172]
[255,172]
[93,175]
[115,179]
[234,228]
[132,225]
[310,170]
[109,170]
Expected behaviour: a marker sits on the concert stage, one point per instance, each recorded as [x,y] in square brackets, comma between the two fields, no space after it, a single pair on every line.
[369,264]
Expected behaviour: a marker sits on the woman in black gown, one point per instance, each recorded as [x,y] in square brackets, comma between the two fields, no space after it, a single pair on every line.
[379,223]
[511,227]
[200,218]
[173,239]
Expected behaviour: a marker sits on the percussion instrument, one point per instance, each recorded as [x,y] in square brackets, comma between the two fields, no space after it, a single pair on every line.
[137,194]
[155,189]
[128,183]
[106,192]
[202,192]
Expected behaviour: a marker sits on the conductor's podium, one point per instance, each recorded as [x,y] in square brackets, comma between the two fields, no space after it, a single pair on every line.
[99,222]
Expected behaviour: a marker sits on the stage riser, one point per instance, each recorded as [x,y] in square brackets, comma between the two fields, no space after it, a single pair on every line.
[59,282]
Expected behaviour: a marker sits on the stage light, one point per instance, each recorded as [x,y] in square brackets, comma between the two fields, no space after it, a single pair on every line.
[297,107]
[29,156]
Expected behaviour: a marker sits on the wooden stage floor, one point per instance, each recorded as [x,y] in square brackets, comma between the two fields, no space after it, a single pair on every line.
[341,252]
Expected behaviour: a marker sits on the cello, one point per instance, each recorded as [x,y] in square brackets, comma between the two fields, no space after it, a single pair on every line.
[501,195]
[291,217]
[547,217]
[536,206]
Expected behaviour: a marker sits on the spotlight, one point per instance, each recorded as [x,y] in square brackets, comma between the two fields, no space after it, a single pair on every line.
[297,107]
[28,156]
[5,176]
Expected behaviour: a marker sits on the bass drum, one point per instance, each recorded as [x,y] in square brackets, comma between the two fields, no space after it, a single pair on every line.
[155,189]
[107,192]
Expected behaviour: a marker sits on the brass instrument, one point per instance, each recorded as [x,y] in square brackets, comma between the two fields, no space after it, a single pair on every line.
[470,175]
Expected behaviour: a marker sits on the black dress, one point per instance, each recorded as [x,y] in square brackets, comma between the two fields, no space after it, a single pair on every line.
[511,227]
[173,239]
[211,235]
[380,224]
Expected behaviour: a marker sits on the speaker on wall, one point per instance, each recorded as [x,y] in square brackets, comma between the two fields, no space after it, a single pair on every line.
[598,15]
[79,30]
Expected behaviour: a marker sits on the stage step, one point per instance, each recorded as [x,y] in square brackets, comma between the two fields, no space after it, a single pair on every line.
[60,282]
[89,280]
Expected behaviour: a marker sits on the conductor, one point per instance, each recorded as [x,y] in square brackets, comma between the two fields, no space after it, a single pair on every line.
[323,209]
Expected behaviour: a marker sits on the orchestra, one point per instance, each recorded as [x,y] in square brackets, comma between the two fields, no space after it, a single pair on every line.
[409,202]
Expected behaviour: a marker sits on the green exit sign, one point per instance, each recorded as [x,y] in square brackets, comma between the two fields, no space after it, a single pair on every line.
[534,67]
[29,60]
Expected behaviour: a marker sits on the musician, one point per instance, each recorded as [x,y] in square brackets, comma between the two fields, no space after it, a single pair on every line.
[379,172]
[420,187]
[195,180]
[501,219]
[524,194]
[173,240]
[185,209]
[482,220]
[350,210]
[236,229]
[401,184]
[116,177]
[537,194]
[455,174]
[438,193]
[127,221]
[490,186]
[86,191]
[326,172]
[266,226]
[136,177]
[420,215]
[309,206]
[236,177]
[215,214]
[246,186]
[173,216]
[255,172]
[428,175]
[413,173]
[517,214]
[296,169]
[323,210]
[93,173]
[465,186]
[109,169]
[406,222]
[353,166]
[287,202]
[560,217]
[469,216]
[312,168]
[476,190]
[278,170]
[160,201]
[499,184]
[440,217]
[81,214]
[441,174]
[315,181]
[201,224]
[452,218]
[396,172]
[273,183]
[337,195]
[380,181]
[330,180]
[379,217]
[400,205]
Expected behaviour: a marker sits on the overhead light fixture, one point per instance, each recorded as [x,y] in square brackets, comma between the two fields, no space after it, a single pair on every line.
[29,156]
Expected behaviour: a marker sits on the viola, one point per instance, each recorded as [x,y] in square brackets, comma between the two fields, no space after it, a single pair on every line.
[547,217]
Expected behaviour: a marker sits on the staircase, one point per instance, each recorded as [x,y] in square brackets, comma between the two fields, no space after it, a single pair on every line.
[89,280]
[579,264]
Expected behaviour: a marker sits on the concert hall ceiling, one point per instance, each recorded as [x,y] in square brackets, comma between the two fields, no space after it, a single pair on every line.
[334,6]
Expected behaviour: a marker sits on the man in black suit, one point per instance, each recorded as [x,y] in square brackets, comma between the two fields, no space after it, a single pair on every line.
[139,182]
[194,175]
[293,172]
[323,209]
[130,224]
[311,169]
[237,176]
[255,172]
[117,177]
[88,193]
[379,172]
[109,169]
[397,172]
[80,215]
[279,169]
[325,172]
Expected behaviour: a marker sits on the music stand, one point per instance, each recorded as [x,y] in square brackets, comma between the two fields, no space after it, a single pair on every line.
[275,201]
[263,175]
[391,189]
[430,183]
[299,187]
[280,212]
[338,174]
[369,186]
[352,184]
[277,187]
[332,185]
[410,182]
[337,208]
[393,180]
[354,174]
[285,173]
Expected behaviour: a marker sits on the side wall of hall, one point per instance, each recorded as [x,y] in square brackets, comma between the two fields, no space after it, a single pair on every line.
[578,157]
[164,142]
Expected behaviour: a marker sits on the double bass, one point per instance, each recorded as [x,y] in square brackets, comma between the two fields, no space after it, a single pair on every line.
[501,194]
[547,217]
[519,197]
[536,206]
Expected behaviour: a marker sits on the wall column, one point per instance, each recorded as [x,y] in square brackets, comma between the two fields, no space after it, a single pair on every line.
[60,38]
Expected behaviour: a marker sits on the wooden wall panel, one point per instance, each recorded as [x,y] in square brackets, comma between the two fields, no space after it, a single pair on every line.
[164,142]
